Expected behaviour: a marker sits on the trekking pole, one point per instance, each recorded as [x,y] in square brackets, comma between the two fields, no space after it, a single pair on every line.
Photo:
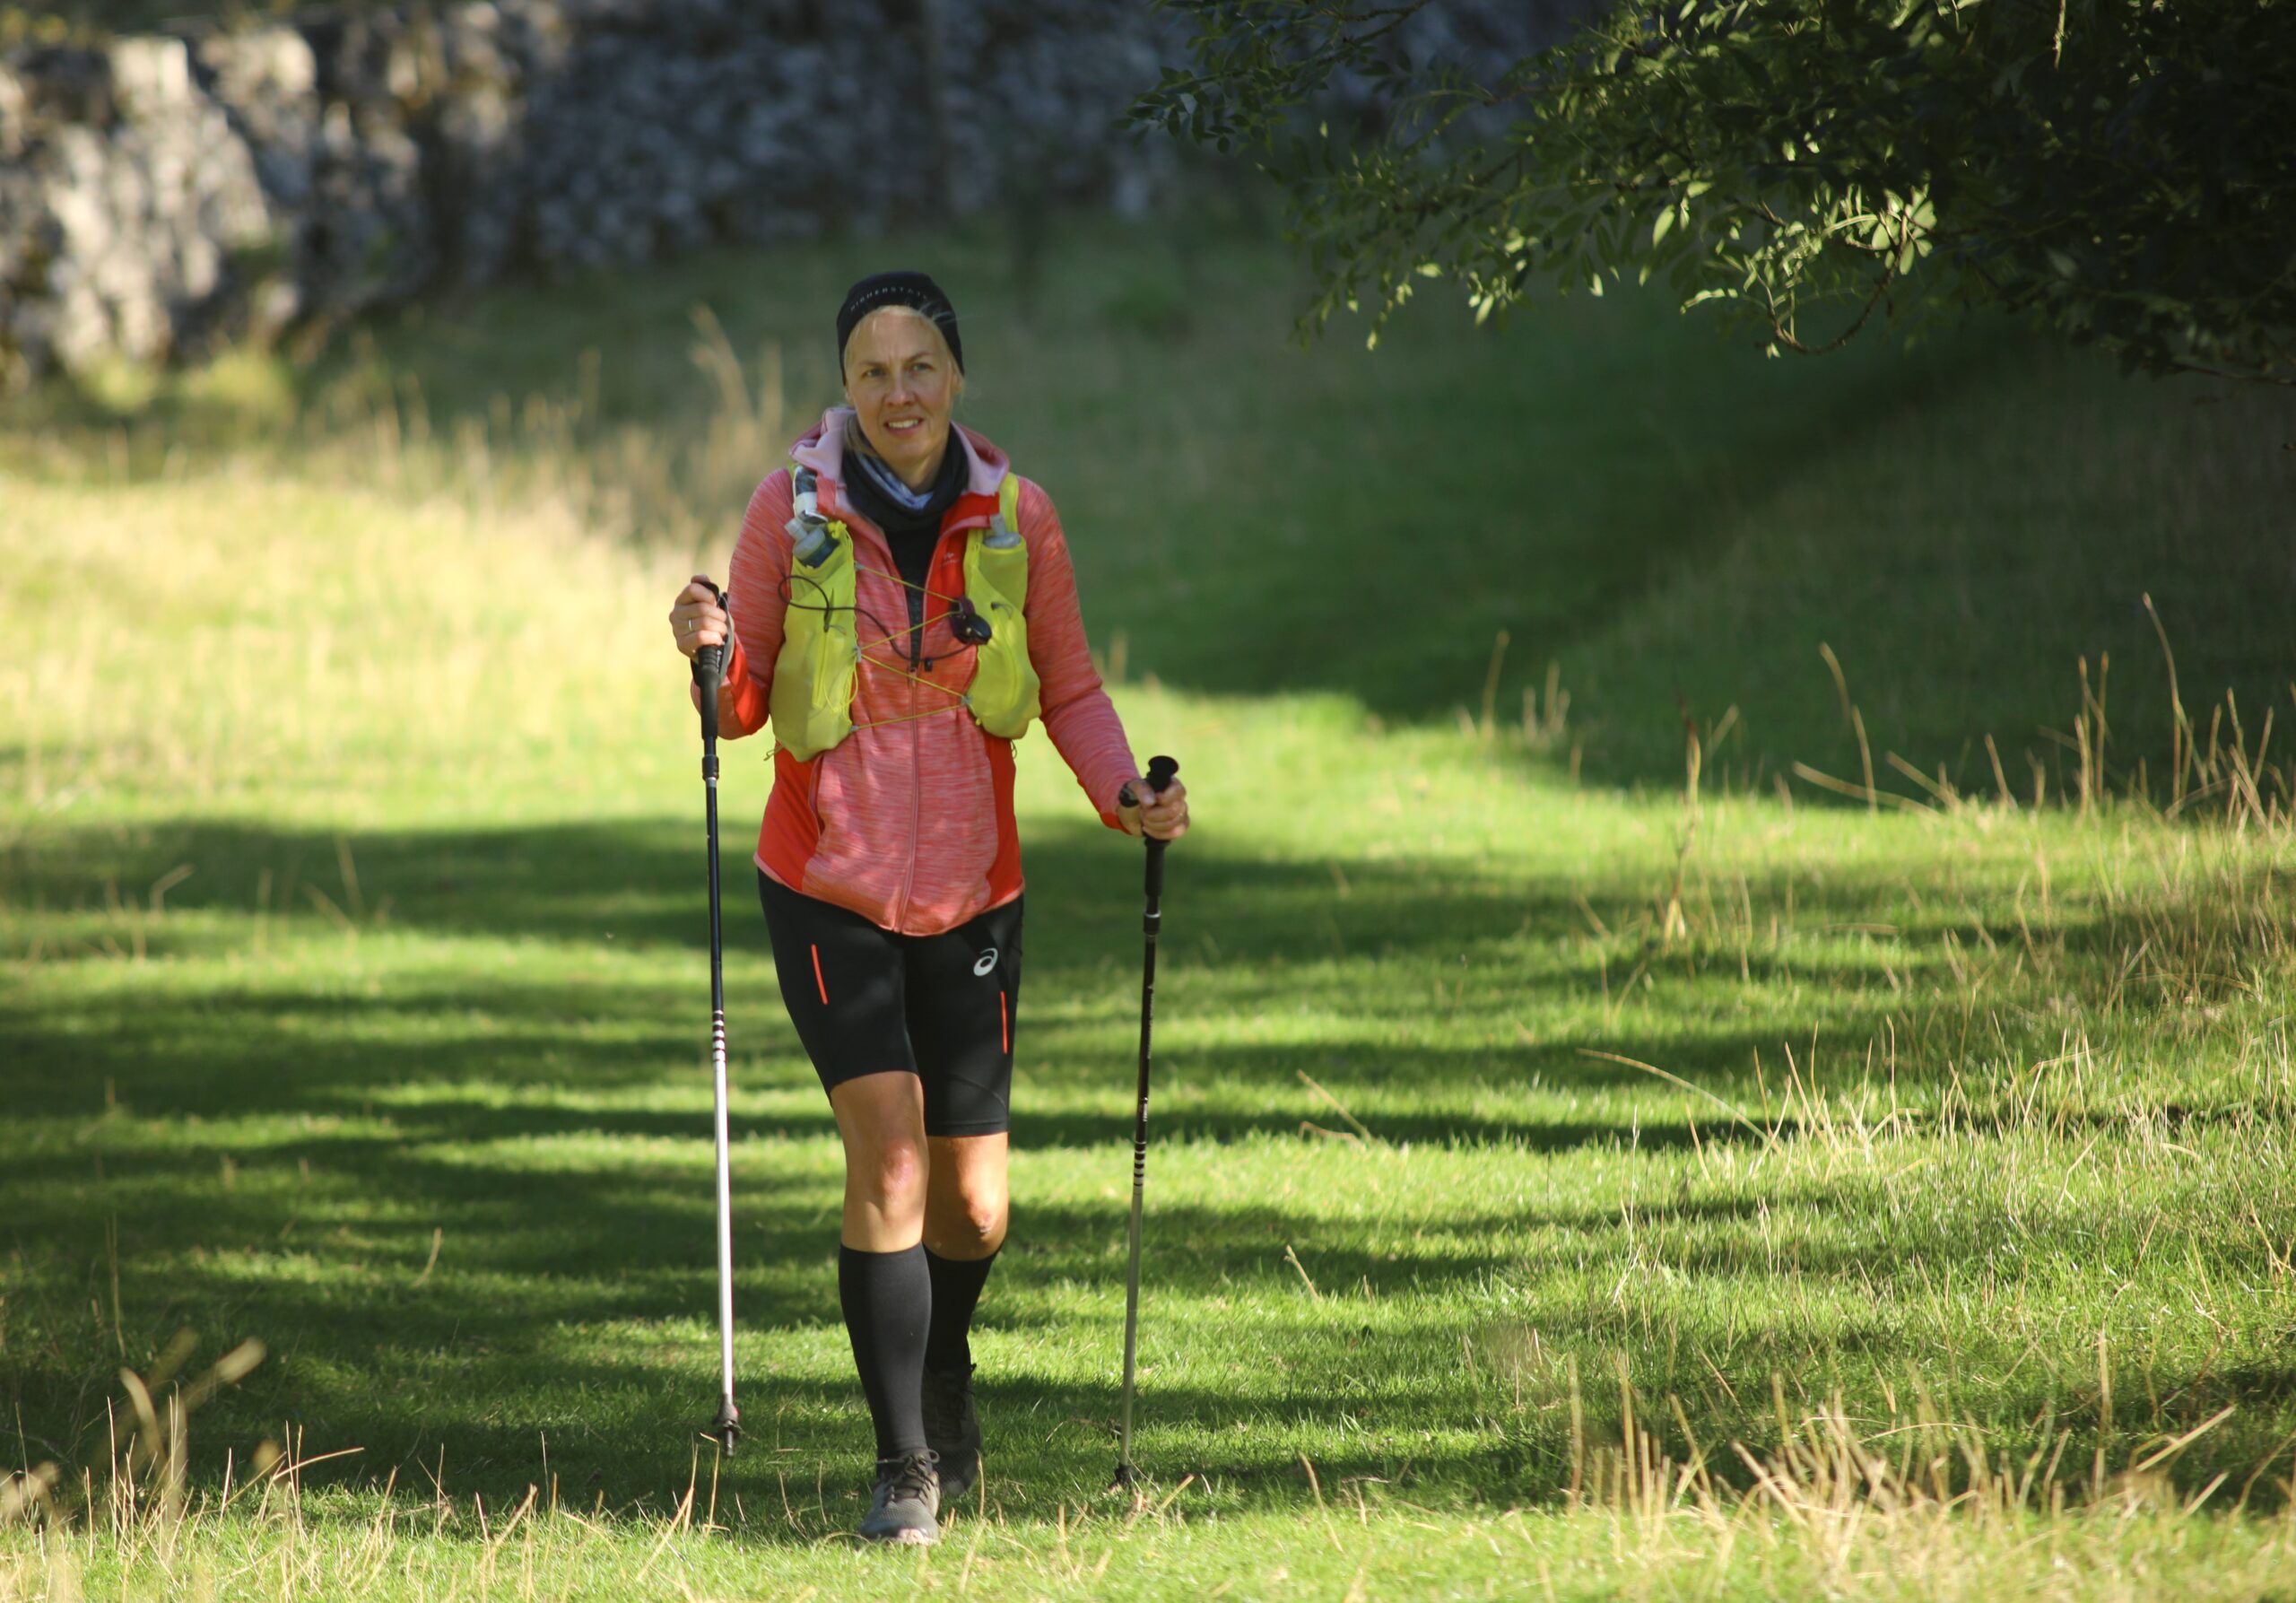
[708,669]
[1161,772]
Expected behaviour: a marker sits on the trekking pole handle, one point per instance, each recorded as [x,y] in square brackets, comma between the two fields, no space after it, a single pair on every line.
[709,673]
[1161,772]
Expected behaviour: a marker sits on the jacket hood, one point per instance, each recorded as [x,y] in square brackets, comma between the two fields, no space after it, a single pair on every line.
[822,449]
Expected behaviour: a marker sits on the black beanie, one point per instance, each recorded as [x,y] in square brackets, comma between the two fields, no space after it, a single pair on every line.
[915,291]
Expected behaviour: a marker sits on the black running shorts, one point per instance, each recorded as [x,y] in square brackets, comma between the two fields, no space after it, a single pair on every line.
[943,1007]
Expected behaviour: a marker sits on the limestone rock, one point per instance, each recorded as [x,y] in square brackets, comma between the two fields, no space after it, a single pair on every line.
[171,188]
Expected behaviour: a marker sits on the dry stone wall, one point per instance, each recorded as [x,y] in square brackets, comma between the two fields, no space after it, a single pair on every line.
[161,192]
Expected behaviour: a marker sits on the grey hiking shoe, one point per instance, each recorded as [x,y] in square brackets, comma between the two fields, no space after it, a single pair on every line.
[906,1506]
[953,1429]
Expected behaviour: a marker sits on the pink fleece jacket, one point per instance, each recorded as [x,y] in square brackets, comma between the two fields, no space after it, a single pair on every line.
[909,820]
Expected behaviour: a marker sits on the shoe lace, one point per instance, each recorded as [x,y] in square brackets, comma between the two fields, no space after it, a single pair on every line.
[913,1476]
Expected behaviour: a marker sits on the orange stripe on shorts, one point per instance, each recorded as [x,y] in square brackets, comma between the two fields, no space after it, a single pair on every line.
[1004,1023]
[818,983]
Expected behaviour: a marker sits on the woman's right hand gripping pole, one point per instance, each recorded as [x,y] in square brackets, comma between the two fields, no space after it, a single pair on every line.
[697,618]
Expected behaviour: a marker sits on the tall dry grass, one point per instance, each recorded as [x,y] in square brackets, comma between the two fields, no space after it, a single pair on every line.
[1918,1504]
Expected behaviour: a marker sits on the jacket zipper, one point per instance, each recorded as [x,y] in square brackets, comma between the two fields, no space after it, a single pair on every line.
[915,656]
[915,732]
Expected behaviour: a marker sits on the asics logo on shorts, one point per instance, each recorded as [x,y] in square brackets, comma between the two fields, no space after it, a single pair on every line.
[988,962]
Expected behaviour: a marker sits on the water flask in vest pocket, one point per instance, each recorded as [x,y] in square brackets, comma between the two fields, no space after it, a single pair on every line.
[811,701]
[1004,694]
[811,538]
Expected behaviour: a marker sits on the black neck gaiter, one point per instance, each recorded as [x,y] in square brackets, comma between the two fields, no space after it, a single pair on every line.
[911,535]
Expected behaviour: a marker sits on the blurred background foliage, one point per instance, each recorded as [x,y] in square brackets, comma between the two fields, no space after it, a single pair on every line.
[1658,522]
[2117,169]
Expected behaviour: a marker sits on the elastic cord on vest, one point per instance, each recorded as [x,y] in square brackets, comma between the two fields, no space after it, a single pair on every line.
[816,676]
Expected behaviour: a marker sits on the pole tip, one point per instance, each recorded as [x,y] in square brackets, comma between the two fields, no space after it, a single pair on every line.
[1126,1478]
[724,1430]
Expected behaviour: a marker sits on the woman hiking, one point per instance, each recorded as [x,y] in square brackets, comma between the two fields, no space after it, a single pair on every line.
[902,607]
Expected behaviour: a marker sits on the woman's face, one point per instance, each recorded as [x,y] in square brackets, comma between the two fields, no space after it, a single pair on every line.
[903,383]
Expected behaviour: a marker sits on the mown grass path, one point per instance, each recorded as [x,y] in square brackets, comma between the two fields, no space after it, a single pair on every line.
[1568,1178]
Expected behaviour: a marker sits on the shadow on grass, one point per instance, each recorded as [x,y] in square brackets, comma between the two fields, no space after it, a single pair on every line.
[595,943]
[469,1219]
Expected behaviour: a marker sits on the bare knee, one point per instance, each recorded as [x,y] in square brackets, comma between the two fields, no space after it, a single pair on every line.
[891,1178]
[970,1222]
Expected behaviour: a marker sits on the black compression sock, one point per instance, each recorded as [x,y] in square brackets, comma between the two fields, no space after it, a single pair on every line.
[887,1299]
[956,1292]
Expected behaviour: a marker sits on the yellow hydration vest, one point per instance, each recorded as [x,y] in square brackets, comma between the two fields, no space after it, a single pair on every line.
[816,674]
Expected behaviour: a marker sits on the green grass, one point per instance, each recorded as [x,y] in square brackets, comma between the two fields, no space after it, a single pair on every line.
[1566,1178]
